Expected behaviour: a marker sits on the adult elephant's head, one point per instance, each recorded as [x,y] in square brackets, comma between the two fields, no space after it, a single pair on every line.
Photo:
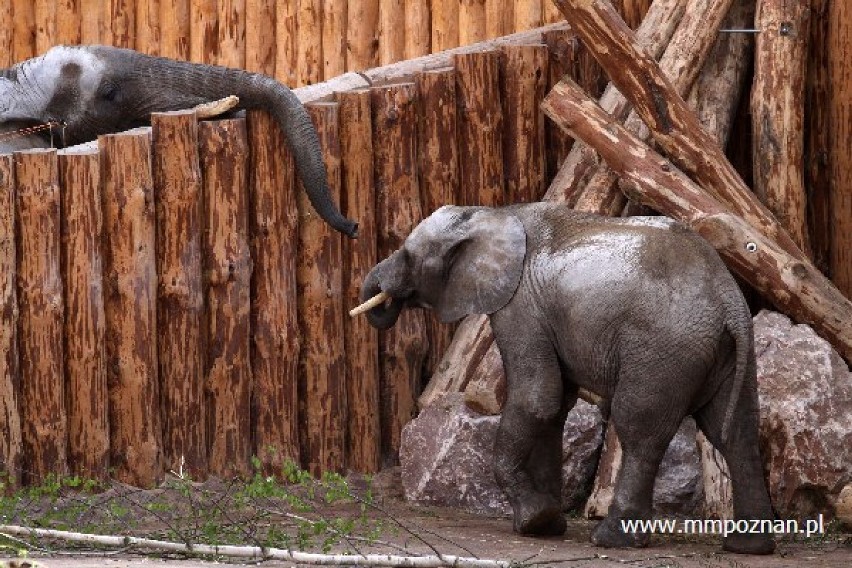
[94,90]
[458,261]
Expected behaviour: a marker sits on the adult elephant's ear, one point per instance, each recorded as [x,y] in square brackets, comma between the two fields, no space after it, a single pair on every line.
[484,268]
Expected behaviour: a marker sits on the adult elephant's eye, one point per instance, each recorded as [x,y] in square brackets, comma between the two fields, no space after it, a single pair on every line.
[109,93]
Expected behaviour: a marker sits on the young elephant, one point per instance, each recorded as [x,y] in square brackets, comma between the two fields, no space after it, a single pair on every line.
[640,311]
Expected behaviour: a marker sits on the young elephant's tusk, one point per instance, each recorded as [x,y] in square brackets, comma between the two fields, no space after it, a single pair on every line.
[215,108]
[376,300]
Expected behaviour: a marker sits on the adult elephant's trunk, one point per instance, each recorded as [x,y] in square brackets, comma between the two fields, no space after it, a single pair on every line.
[382,316]
[261,92]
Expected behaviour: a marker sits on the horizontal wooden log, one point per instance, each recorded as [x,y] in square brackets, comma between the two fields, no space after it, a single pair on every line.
[796,287]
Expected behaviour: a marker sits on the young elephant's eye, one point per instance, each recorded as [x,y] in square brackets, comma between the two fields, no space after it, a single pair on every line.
[109,93]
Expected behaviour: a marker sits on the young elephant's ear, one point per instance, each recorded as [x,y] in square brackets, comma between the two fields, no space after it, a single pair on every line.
[484,268]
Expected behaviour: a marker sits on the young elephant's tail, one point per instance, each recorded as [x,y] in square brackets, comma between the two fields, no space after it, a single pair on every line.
[743,340]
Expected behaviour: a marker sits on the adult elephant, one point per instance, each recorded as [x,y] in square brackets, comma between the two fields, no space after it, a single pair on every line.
[639,311]
[94,90]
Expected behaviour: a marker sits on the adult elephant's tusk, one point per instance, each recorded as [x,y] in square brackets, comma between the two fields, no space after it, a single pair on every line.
[376,300]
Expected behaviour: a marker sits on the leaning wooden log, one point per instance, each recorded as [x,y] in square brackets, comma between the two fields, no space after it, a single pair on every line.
[778,111]
[227,265]
[402,348]
[130,293]
[673,124]
[85,328]
[44,420]
[562,47]
[275,337]
[795,286]
[11,449]
[320,278]
[180,294]
[363,436]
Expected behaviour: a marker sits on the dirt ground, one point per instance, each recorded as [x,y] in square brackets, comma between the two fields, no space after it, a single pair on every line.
[456,532]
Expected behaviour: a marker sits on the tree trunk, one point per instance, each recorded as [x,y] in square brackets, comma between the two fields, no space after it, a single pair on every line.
[362,39]
[260,44]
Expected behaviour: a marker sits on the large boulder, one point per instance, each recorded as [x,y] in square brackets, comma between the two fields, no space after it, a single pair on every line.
[805,416]
[447,451]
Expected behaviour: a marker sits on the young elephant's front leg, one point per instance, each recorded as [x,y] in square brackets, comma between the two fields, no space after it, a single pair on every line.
[528,450]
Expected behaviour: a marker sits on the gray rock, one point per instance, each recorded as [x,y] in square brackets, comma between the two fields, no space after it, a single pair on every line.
[581,448]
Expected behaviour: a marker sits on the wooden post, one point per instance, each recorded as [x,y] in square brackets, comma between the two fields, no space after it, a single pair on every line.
[417,28]
[148,26]
[44,420]
[334,37]
[11,444]
[480,127]
[524,80]
[438,162]
[472,21]
[321,311]
[68,22]
[528,14]
[499,18]
[840,113]
[180,296]
[286,32]
[45,25]
[309,67]
[274,314]
[777,112]
[362,40]
[175,29]
[562,46]
[402,348]
[363,442]
[7,34]
[391,31]
[90,26]
[130,282]
[227,268]
[204,31]
[445,24]
[119,23]
[259,42]
[85,326]
[232,33]
[23,39]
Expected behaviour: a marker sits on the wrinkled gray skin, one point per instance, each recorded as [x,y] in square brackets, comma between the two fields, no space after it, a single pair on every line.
[640,311]
[96,90]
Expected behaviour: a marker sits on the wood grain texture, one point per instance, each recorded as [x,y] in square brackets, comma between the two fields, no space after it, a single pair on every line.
[445,24]
[118,23]
[45,24]
[90,26]
[44,418]
[363,441]
[274,226]
[362,40]
[69,21]
[85,322]
[204,31]
[130,309]
[472,21]
[418,34]
[148,26]
[286,31]
[333,38]
[23,30]
[391,34]
[227,268]
[562,46]
[261,35]
[176,30]
[320,277]
[232,33]
[180,295]
[11,445]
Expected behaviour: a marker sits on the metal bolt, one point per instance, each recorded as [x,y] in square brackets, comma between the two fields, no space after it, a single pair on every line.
[751,247]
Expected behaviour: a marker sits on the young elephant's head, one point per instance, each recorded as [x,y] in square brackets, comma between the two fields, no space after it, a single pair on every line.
[458,261]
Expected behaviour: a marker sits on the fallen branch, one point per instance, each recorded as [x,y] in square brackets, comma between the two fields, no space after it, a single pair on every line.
[258,552]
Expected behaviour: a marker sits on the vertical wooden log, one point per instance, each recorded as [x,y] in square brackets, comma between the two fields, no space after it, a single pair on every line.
[260,41]
[7,33]
[45,25]
[180,299]
[274,314]
[528,14]
[391,31]
[23,38]
[44,420]
[562,47]
[472,21]
[817,135]
[840,113]
[309,43]
[499,18]
[402,347]
[480,127]
[417,28]
[204,31]
[68,22]
[148,26]
[176,32]
[119,23]
[334,38]
[362,39]
[286,32]
[777,111]
[320,278]
[227,267]
[633,11]
[11,444]
[130,307]
[438,161]
[90,25]
[232,33]
[524,81]
[551,13]
[85,326]
[363,442]
[445,25]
